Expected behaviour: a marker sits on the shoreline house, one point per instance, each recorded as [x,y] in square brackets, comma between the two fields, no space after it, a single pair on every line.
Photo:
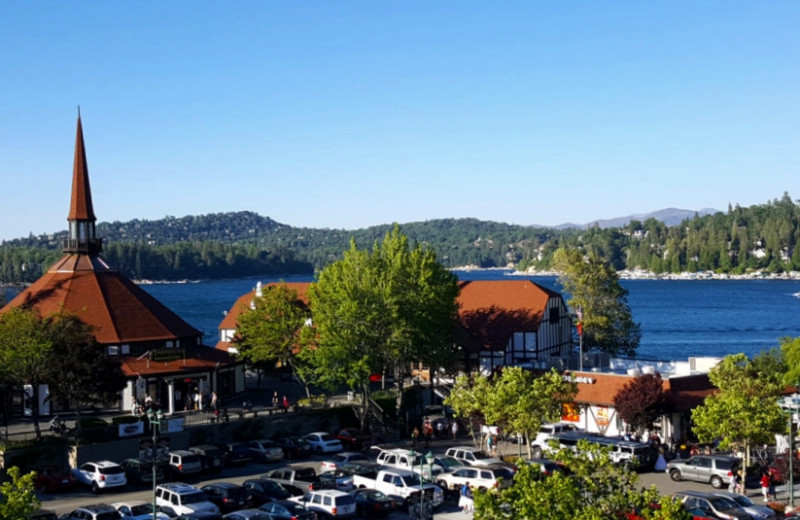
[161,355]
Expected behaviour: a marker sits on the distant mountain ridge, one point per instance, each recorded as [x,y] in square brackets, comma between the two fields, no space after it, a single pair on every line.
[669,216]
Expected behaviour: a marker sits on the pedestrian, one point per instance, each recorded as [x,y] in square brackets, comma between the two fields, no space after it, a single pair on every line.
[214,401]
[465,500]
[440,429]
[178,400]
[489,444]
[454,429]
[188,404]
[275,399]
[764,481]
[427,431]
[285,404]
[415,436]
[773,481]
[733,486]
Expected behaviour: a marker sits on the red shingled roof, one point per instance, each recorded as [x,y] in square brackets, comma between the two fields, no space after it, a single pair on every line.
[80,207]
[117,309]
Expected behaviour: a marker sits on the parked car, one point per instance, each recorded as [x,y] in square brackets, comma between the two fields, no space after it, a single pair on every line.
[328,503]
[547,466]
[93,512]
[353,438]
[236,453]
[758,512]
[42,514]
[448,463]
[227,496]
[201,515]
[138,510]
[481,477]
[371,503]
[265,450]
[264,490]
[337,460]
[183,464]
[294,447]
[714,469]
[51,479]
[287,510]
[210,457]
[183,499]
[323,442]
[711,505]
[140,472]
[101,475]
[341,480]
[247,514]
[547,432]
[472,456]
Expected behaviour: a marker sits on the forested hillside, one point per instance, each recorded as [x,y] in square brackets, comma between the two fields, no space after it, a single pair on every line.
[224,245]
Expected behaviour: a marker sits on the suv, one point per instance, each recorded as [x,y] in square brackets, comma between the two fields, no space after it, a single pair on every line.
[715,469]
[184,463]
[328,503]
[211,457]
[413,461]
[183,499]
[711,505]
[94,512]
[547,432]
[492,477]
[472,456]
[101,475]
[227,496]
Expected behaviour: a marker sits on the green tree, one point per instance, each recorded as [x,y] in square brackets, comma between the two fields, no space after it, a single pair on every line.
[641,401]
[790,348]
[469,399]
[594,288]
[26,352]
[745,411]
[18,495]
[596,489]
[381,309]
[270,331]
[79,373]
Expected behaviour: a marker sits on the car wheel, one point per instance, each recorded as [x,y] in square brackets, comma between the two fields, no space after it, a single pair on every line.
[537,453]
[716,482]
[675,475]
[95,488]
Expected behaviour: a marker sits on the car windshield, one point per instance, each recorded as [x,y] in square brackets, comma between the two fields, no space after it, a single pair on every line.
[112,470]
[375,495]
[721,503]
[326,438]
[142,509]
[297,509]
[504,473]
[109,515]
[411,480]
[743,501]
[193,498]
[481,455]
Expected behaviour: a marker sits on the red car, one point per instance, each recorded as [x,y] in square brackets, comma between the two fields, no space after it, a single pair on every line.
[53,478]
[353,438]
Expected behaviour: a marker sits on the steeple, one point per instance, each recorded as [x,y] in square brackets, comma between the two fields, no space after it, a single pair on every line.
[82,238]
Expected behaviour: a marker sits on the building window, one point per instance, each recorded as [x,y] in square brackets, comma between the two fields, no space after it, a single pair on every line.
[126,349]
[554,315]
[169,344]
[113,350]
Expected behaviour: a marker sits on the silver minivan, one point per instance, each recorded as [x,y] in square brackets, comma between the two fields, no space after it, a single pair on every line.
[716,470]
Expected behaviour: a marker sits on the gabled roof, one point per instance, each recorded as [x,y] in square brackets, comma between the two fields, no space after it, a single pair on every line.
[492,310]
[195,358]
[117,309]
[242,305]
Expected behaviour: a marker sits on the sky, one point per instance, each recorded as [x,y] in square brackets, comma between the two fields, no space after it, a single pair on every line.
[349,114]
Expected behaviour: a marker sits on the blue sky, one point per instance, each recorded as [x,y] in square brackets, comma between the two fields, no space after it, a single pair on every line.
[347,114]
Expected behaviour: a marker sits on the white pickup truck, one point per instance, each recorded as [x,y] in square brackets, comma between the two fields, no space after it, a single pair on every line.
[400,483]
[412,461]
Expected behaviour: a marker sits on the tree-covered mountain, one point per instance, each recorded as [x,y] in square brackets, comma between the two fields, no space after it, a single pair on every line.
[244,243]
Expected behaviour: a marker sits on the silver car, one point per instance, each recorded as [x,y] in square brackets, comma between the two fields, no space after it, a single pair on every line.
[758,512]
[714,469]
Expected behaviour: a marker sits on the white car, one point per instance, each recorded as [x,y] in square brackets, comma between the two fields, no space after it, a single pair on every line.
[265,450]
[337,460]
[328,503]
[183,499]
[138,510]
[100,475]
[323,442]
[498,477]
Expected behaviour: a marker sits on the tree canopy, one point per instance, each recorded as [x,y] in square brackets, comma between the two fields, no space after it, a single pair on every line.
[594,288]
[641,401]
[381,309]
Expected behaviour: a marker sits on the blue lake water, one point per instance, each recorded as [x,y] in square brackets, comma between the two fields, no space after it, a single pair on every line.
[678,318]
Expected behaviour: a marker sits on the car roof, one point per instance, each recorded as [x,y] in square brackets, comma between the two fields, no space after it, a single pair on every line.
[332,492]
[699,494]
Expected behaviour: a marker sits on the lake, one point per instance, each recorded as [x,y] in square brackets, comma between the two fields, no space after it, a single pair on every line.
[679,318]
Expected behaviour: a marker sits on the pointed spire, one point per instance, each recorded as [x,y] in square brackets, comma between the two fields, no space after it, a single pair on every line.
[81,217]
[81,203]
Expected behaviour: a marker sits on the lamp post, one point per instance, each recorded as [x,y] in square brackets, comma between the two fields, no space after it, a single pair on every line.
[792,405]
[154,419]
[429,458]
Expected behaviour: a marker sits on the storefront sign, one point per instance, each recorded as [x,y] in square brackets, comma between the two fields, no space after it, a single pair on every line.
[579,379]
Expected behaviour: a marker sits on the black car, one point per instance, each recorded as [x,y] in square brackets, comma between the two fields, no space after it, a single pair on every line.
[227,496]
[287,510]
[263,490]
[140,472]
[236,454]
[202,515]
[247,514]
[372,503]
[42,514]
[294,447]
[211,456]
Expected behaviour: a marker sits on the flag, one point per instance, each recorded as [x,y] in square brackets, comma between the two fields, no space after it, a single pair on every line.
[579,315]
[580,328]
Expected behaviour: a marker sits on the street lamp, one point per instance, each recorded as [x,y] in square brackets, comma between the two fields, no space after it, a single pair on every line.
[429,458]
[792,405]
[154,419]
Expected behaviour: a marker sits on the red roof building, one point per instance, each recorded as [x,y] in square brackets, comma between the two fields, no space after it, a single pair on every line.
[161,354]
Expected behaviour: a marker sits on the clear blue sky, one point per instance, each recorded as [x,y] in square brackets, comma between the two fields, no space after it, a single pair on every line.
[347,114]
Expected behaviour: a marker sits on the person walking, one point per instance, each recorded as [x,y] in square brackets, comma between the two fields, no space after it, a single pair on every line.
[773,481]
[415,436]
[733,486]
[764,481]
[454,429]
[465,500]
[214,401]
